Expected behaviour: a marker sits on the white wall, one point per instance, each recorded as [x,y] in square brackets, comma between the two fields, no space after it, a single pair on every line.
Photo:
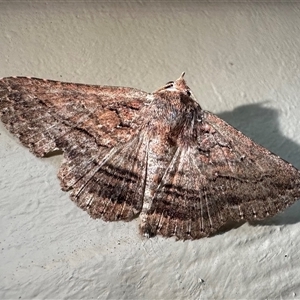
[242,62]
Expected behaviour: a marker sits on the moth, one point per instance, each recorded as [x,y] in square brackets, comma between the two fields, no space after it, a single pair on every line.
[160,156]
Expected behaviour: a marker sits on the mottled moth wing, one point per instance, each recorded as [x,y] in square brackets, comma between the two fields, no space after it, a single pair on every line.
[87,122]
[224,176]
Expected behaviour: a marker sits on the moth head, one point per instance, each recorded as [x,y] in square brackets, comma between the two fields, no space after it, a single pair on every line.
[179,85]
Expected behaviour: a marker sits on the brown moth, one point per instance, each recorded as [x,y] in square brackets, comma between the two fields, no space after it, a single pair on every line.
[129,153]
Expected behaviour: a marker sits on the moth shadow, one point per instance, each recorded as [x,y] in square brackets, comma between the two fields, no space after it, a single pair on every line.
[53,153]
[261,124]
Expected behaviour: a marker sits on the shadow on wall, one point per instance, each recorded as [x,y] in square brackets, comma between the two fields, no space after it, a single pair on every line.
[262,126]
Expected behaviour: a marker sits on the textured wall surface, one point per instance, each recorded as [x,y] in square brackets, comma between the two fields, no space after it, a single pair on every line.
[241,61]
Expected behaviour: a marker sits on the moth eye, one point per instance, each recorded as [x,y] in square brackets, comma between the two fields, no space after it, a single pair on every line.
[169,84]
[188,93]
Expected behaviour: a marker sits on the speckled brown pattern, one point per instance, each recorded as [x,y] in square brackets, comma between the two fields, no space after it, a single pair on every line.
[158,155]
